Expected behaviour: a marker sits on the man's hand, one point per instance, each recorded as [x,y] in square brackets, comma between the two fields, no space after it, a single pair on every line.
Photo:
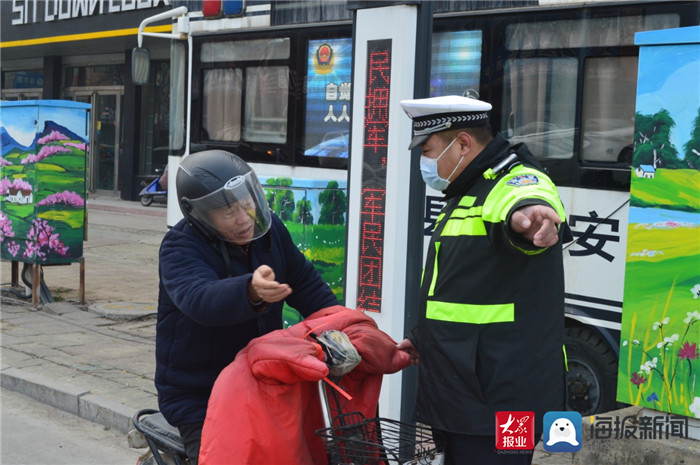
[407,346]
[537,223]
[264,287]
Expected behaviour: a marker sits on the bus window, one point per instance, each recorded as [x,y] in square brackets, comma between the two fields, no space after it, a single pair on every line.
[248,100]
[221,104]
[246,50]
[607,120]
[569,94]
[539,104]
[328,93]
[456,62]
[266,101]
[593,32]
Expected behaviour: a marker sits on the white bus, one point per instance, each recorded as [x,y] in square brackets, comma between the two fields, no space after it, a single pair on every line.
[272,83]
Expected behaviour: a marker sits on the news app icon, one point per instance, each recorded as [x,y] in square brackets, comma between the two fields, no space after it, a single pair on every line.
[561,431]
[515,430]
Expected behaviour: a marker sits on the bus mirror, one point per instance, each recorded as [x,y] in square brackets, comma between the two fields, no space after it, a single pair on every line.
[140,65]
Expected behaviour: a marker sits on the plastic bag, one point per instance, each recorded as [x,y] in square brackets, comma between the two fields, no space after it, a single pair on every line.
[341,355]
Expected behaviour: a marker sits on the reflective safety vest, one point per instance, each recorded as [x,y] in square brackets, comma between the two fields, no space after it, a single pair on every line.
[491,324]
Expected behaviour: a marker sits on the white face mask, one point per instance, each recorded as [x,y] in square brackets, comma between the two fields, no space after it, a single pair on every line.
[429,170]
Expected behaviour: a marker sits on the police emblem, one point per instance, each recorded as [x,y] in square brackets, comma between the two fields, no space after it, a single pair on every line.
[523,180]
[323,59]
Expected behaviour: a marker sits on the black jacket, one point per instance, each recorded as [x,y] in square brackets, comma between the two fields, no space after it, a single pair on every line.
[491,319]
[205,317]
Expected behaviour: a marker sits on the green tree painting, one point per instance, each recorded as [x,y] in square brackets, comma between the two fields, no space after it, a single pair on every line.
[653,140]
[281,200]
[691,148]
[303,214]
[323,243]
[333,205]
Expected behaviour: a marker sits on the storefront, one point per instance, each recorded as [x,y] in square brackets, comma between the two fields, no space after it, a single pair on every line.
[81,50]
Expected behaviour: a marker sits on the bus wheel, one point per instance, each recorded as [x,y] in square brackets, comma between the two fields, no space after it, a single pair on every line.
[591,382]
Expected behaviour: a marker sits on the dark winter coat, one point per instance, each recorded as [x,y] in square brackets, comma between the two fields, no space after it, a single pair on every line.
[205,317]
[491,321]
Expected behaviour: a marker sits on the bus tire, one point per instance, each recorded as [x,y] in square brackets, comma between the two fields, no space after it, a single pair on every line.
[591,381]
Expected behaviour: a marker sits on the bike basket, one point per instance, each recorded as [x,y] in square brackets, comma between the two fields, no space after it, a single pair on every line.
[380,441]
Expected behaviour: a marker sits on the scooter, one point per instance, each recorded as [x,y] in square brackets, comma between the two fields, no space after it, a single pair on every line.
[156,190]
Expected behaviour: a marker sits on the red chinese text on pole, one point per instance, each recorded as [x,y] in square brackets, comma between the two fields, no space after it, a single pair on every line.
[373,203]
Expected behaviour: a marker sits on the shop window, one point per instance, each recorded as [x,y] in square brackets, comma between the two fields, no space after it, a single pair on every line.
[28,79]
[22,85]
[83,76]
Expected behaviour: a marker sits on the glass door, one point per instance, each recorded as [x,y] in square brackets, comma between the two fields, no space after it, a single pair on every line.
[106,143]
[105,137]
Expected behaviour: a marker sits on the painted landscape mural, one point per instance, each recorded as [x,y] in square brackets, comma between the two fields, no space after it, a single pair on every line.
[314,213]
[42,180]
[660,335]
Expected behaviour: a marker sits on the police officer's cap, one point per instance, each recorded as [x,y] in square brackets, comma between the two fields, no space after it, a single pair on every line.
[437,114]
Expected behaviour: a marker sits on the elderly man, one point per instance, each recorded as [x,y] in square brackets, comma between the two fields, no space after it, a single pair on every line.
[226,269]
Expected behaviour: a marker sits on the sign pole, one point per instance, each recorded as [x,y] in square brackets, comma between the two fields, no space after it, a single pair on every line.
[385,200]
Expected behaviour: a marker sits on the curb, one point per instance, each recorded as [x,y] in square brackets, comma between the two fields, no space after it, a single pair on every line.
[72,399]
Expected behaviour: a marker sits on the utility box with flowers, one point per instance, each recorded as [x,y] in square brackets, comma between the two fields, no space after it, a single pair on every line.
[42,180]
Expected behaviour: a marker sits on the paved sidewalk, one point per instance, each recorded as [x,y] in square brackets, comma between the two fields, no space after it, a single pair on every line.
[79,360]
[95,360]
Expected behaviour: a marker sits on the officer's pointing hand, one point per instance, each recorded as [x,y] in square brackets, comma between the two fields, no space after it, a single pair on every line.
[538,223]
[264,287]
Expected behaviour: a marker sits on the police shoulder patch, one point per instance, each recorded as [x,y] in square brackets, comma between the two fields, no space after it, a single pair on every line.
[523,180]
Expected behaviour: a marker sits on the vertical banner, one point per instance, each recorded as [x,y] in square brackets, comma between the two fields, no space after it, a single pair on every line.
[373,196]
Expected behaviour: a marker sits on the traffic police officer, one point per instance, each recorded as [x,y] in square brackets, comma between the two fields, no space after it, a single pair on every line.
[491,317]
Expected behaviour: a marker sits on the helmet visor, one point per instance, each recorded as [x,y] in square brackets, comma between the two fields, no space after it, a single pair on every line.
[237,212]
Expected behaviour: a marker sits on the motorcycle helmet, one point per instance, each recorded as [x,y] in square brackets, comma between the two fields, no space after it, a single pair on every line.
[221,198]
